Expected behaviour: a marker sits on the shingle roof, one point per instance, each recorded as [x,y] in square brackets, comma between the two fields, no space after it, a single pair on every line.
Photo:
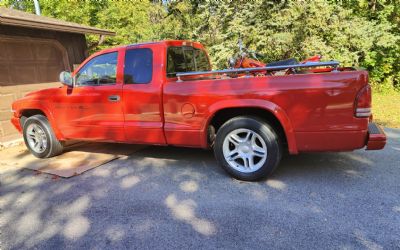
[24,19]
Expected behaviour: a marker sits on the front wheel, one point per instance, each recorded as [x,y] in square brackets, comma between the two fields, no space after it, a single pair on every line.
[39,137]
[247,148]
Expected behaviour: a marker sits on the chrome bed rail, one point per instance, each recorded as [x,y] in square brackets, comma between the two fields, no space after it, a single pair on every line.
[333,64]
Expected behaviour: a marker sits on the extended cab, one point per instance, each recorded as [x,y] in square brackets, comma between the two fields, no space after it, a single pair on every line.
[131,94]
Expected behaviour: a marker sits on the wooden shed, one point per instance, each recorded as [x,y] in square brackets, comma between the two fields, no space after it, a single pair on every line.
[33,51]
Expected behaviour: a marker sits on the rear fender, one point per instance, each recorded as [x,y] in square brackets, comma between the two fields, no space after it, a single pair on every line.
[274,109]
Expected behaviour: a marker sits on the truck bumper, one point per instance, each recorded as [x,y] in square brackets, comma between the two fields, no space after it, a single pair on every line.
[376,137]
[16,123]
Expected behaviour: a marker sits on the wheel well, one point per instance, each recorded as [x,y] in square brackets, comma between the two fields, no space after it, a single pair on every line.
[224,115]
[25,114]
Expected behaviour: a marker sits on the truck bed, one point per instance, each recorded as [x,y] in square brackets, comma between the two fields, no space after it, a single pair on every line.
[318,106]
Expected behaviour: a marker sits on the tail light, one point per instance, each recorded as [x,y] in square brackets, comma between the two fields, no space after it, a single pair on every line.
[362,107]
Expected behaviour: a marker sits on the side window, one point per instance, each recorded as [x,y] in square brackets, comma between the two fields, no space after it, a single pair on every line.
[99,70]
[138,66]
[175,61]
[186,59]
[202,63]
[189,59]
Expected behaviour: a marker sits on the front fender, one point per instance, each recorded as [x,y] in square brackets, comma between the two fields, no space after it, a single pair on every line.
[24,104]
[271,107]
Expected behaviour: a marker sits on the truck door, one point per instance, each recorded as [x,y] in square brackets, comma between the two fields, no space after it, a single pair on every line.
[92,109]
[142,95]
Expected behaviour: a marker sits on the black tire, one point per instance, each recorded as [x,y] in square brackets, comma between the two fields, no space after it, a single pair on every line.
[265,131]
[54,146]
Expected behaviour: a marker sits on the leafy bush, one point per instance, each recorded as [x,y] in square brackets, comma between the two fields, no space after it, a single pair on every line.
[358,33]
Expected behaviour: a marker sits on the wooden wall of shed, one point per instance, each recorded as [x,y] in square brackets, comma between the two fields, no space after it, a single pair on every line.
[75,44]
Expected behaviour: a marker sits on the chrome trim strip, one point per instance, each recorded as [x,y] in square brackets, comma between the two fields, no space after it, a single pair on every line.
[363,110]
[366,114]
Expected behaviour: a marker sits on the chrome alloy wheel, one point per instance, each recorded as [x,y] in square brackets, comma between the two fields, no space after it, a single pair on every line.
[244,150]
[36,138]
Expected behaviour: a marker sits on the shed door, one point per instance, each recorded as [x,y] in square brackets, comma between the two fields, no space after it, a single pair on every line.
[27,60]
[26,64]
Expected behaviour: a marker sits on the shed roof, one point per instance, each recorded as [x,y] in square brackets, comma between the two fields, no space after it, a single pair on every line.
[24,19]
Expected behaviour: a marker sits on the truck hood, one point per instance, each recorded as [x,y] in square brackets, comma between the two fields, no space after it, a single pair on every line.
[41,94]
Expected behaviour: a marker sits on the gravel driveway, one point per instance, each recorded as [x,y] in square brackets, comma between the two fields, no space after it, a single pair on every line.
[165,197]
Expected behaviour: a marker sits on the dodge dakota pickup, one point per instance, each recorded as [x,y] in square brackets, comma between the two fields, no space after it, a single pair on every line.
[165,93]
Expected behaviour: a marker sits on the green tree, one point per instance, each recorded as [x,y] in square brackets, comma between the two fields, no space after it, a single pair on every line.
[361,33]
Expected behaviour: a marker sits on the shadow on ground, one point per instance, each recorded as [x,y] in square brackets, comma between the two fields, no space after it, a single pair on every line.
[165,197]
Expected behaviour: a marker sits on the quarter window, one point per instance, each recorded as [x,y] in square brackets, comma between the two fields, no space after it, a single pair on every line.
[186,59]
[138,66]
[100,70]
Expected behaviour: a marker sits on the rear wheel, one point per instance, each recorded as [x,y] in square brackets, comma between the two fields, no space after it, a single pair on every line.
[247,148]
[39,137]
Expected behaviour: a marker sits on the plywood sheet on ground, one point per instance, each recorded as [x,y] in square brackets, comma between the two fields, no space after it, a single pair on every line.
[75,160]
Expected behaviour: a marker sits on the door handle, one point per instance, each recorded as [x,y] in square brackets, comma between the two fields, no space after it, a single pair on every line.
[114,98]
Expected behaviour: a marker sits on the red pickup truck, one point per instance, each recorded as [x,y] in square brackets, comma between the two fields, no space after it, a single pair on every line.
[141,94]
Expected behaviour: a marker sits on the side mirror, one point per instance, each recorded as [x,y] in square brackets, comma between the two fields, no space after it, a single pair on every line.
[66,78]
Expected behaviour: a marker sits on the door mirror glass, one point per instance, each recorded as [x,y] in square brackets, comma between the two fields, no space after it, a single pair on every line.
[66,78]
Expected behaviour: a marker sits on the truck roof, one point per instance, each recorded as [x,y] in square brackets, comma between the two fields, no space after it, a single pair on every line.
[162,42]
[170,43]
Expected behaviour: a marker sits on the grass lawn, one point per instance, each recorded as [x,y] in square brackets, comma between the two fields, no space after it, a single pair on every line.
[386,109]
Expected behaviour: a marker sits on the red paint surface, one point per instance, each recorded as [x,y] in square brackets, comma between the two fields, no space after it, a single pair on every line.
[316,110]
